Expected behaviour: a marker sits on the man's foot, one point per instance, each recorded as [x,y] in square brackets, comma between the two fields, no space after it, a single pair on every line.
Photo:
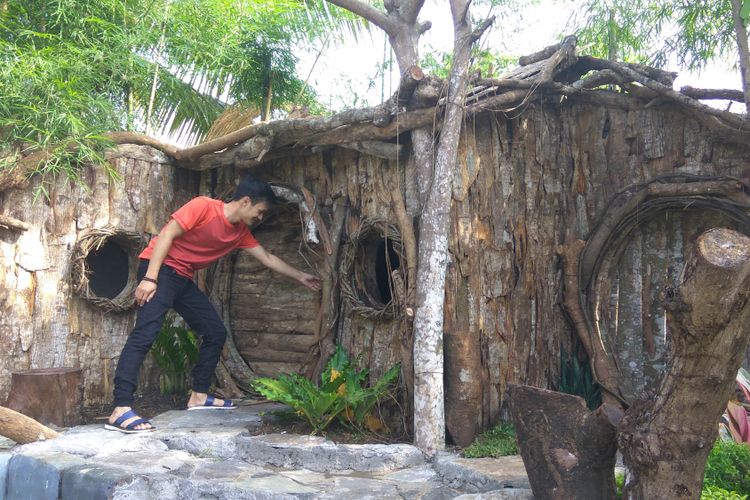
[203,401]
[124,419]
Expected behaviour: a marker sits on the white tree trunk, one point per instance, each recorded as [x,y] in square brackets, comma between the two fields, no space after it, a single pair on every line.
[429,410]
[744,53]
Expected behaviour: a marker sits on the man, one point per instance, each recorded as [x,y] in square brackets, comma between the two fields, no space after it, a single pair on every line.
[199,233]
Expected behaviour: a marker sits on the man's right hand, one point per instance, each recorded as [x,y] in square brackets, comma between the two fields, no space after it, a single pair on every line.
[144,292]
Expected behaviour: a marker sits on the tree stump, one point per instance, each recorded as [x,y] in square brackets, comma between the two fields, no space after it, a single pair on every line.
[48,395]
[665,439]
[568,450]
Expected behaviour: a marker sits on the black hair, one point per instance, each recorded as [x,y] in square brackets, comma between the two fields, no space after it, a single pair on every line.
[258,191]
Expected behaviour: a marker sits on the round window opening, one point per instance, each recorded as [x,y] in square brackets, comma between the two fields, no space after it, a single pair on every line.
[103,267]
[373,269]
[108,270]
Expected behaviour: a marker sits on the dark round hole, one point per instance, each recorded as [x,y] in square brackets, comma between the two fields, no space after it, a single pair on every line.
[386,260]
[376,259]
[108,270]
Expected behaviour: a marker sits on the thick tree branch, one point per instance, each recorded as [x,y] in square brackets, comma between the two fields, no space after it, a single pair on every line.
[375,16]
[728,94]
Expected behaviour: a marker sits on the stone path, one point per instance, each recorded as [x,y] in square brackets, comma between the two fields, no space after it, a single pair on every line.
[211,454]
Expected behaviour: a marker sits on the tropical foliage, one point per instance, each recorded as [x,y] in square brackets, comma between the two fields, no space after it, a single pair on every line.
[71,70]
[576,378]
[735,423]
[342,393]
[175,351]
[651,31]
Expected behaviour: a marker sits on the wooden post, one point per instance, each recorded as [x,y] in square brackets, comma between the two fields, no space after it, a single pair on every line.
[48,395]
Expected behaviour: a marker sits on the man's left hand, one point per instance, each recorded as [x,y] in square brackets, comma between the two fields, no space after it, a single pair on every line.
[310,281]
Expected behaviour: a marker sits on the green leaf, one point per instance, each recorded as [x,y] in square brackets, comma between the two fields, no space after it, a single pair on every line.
[745,10]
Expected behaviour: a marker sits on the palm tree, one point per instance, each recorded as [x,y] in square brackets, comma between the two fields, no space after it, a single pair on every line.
[70,71]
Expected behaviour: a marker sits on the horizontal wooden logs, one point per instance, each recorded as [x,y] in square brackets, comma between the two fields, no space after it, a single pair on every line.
[272,369]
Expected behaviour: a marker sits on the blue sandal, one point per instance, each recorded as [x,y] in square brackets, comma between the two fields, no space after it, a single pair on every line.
[130,428]
[209,405]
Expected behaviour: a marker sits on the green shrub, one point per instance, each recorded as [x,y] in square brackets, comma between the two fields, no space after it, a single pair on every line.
[175,351]
[342,393]
[619,484]
[499,441]
[577,379]
[716,493]
[728,467]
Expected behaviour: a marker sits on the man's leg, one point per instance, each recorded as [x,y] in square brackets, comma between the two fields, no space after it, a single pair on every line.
[149,320]
[200,315]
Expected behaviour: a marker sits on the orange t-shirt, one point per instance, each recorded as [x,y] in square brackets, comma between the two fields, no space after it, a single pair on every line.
[208,236]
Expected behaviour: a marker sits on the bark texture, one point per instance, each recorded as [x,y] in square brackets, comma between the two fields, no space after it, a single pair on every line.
[708,314]
[568,451]
[47,325]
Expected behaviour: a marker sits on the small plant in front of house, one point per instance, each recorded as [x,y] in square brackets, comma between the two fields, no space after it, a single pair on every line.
[497,442]
[175,351]
[577,379]
[342,393]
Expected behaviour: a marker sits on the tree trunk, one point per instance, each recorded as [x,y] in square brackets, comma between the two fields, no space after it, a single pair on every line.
[429,410]
[49,395]
[666,440]
[568,451]
[744,53]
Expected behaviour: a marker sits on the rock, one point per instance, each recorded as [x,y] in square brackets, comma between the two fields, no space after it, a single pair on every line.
[318,454]
[476,475]
[38,476]
[514,493]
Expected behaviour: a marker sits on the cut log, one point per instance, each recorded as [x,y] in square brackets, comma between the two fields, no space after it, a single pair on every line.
[568,451]
[707,315]
[22,429]
[409,81]
[48,395]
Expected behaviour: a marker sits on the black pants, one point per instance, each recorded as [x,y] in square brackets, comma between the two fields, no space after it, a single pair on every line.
[181,294]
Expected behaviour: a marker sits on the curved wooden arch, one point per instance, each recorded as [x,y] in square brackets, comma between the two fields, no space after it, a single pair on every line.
[629,209]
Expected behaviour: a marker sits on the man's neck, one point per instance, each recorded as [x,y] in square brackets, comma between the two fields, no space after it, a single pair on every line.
[230,212]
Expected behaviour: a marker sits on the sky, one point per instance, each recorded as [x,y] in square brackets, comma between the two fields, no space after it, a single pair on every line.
[349,76]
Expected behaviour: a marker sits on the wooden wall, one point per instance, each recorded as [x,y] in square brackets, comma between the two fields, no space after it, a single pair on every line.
[523,185]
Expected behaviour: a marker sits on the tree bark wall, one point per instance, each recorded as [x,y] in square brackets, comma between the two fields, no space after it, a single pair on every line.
[524,184]
[43,323]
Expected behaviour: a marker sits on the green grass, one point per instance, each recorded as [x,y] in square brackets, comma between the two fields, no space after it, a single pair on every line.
[497,442]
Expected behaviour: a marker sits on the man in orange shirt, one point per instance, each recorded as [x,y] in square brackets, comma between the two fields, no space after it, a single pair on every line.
[199,233]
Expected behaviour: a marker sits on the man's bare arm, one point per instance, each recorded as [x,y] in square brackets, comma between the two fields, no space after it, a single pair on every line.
[167,235]
[276,264]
